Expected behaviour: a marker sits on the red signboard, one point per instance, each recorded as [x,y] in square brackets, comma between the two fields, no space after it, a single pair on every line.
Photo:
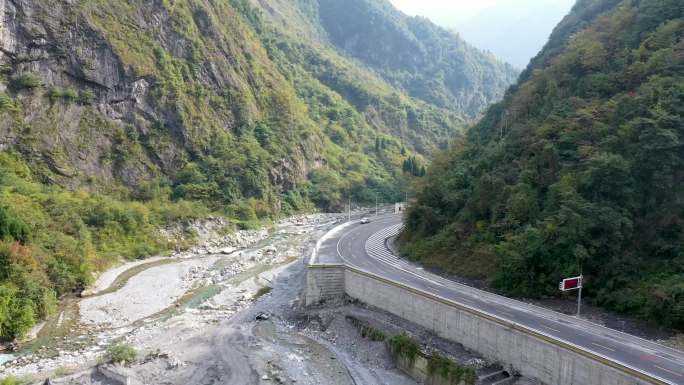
[571,283]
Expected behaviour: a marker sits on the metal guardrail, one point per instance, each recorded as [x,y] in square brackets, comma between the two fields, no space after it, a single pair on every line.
[370,211]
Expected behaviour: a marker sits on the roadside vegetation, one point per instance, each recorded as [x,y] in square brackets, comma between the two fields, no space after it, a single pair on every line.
[405,346]
[408,348]
[366,330]
[454,373]
[122,353]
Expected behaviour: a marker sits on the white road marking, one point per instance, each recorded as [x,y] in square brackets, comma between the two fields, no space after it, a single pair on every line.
[550,328]
[668,359]
[669,371]
[602,346]
[377,249]
[510,315]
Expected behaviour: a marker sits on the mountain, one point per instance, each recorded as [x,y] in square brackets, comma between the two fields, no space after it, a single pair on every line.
[514,31]
[577,170]
[413,54]
[118,118]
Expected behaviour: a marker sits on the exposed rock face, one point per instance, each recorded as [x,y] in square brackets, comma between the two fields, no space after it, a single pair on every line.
[122,128]
[211,101]
[34,40]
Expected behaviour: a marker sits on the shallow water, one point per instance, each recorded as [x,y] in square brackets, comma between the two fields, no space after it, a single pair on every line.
[5,358]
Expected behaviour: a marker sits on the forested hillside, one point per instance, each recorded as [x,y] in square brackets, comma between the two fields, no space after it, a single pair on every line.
[578,170]
[121,117]
[429,62]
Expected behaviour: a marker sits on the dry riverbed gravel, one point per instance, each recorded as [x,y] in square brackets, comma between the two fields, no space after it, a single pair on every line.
[227,311]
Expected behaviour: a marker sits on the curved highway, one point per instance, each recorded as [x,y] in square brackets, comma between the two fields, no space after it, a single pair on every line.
[363,247]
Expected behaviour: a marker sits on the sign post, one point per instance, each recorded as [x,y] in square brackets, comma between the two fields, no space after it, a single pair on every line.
[574,283]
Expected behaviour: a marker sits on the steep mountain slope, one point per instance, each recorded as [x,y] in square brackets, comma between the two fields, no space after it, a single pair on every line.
[121,117]
[412,53]
[300,47]
[579,169]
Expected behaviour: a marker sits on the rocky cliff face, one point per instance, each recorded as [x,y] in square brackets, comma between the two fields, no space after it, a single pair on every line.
[119,117]
[72,139]
[213,101]
[93,114]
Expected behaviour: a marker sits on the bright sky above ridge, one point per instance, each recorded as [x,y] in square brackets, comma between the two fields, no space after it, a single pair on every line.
[514,30]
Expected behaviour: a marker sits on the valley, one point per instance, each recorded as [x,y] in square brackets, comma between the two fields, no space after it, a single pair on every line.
[338,192]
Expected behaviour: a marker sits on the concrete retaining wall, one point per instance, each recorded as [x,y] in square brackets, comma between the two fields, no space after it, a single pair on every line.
[533,354]
[324,282]
[418,370]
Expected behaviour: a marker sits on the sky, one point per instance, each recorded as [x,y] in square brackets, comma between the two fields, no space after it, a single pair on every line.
[514,30]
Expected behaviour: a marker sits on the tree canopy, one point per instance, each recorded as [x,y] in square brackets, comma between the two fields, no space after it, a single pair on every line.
[579,169]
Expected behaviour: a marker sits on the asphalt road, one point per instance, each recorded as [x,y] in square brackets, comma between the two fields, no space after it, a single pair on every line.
[363,246]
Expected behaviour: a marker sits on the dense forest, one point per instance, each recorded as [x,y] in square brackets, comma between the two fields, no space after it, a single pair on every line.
[118,118]
[578,170]
[428,62]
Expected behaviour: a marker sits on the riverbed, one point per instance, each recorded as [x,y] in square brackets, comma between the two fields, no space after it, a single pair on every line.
[192,316]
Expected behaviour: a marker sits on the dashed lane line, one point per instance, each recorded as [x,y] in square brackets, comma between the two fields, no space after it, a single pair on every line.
[603,346]
[668,370]
[510,315]
[550,328]
[377,250]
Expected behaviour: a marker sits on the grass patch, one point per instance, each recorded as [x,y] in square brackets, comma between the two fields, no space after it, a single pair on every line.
[26,81]
[373,334]
[366,330]
[121,352]
[64,371]
[262,292]
[66,94]
[11,380]
[6,102]
[442,366]
[403,345]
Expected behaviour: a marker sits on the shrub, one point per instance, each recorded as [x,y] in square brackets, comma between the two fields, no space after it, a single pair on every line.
[366,330]
[86,97]
[26,81]
[444,367]
[6,102]
[66,94]
[405,346]
[470,376]
[11,380]
[450,370]
[122,352]
[16,315]
[13,228]
[69,94]
[262,291]
[372,333]
[22,317]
